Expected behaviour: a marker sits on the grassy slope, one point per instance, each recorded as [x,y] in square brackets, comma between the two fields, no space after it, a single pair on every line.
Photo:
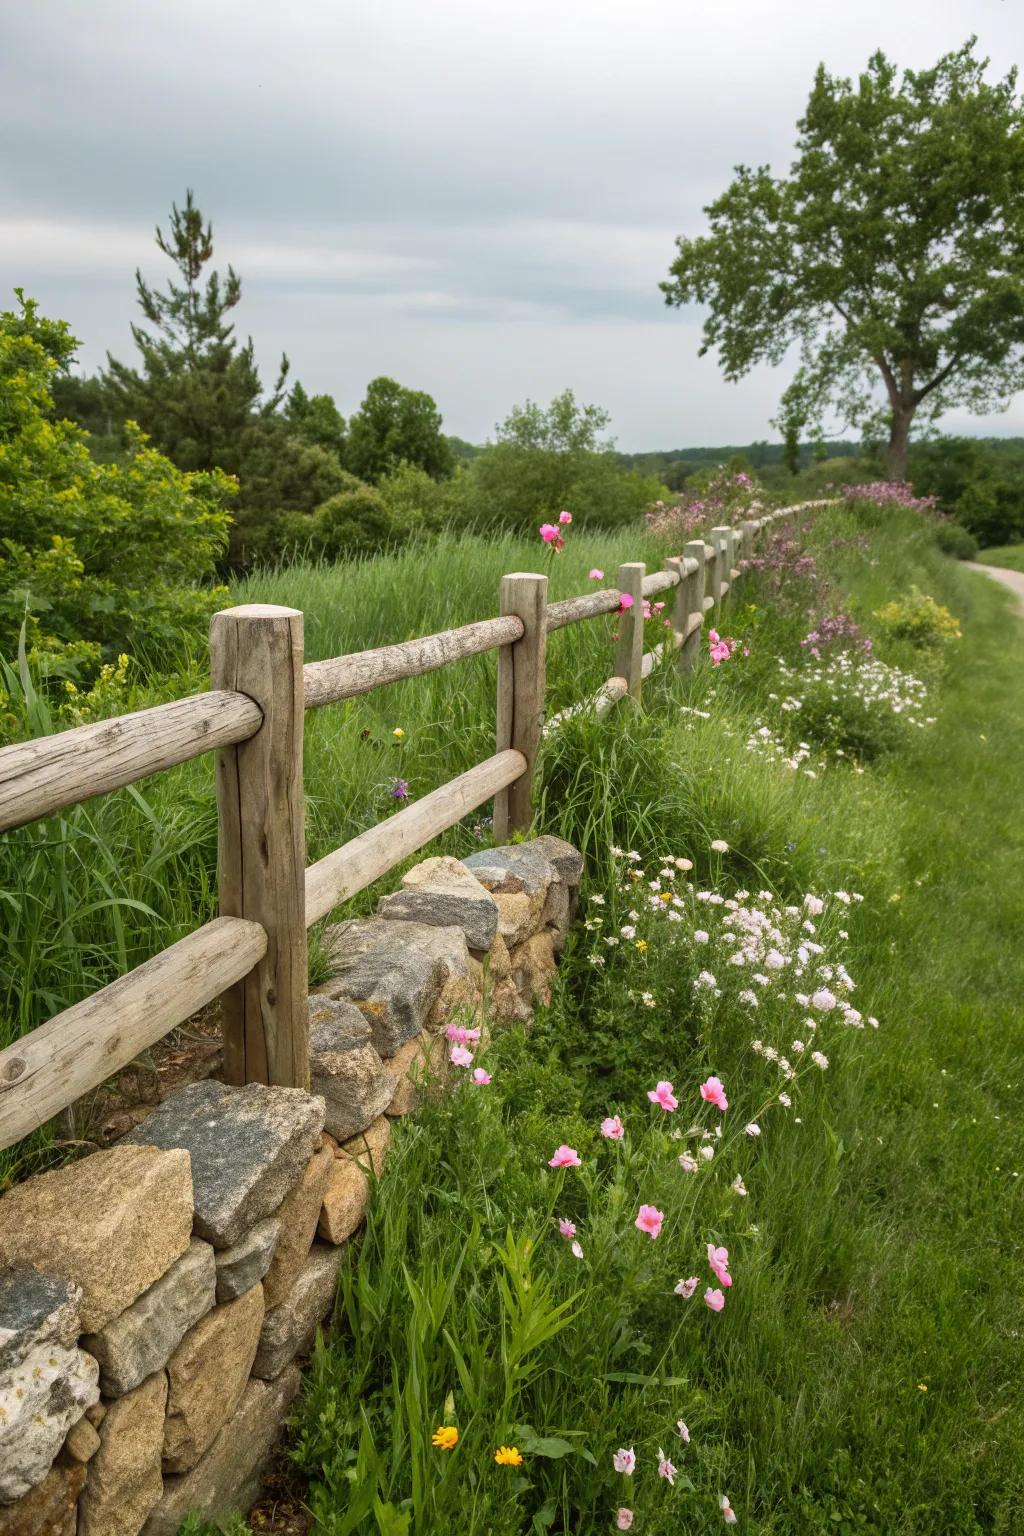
[887,1256]
[1009,556]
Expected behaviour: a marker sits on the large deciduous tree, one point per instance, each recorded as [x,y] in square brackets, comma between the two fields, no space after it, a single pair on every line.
[395,425]
[893,253]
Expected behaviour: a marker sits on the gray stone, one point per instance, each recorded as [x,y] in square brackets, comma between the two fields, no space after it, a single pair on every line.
[557,913]
[394,972]
[290,1328]
[241,1267]
[147,1333]
[35,1309]
[518,868]
[227,1478]
[565,860]
[40,1399]
[247,1145]
[442,893]
[345,1070]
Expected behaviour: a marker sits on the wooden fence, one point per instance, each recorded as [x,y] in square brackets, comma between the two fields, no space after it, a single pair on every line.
[254,953]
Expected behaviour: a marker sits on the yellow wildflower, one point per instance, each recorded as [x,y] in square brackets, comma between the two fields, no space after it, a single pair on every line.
[508,1456]
[398,733]
[446,1438]
[641,945]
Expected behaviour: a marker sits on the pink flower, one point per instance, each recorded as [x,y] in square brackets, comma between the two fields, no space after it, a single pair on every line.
[624,1519]
[612,1128]
[714,1299]
[624,1461]
[662,1094]
[728,1513]
[460,1057]
[481,1078]
[462,1035]
[598,575]
[718,1263]
[625,602]
[684,1433]
[649,1220]
[565,1157]
[567,1228]
[713,1093]
[549,533]
[686,1288]
[576,1250]
[565,518]
[665,1467]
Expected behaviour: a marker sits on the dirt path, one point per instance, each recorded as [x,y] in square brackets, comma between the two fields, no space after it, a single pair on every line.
[1012,579]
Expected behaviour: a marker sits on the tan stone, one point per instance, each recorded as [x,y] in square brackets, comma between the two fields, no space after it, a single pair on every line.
[124,1481]
[518,915]
[370,1147]
[533,965]
[506,1005]
[48,1509]
[82,1442]
[207,1375]
[227,1479]
[498,963]
[345,1200]
[459,999]
[113,1223]
[96,1414]
[419,1063]
[297,1214]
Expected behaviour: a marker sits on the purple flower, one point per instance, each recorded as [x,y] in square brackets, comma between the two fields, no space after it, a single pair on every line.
[400,790]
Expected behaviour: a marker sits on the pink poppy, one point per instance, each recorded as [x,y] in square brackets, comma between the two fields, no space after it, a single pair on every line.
[549,533]
[718,1263]
[565,1157]
[665,1468]
[567,1228]
[624,1519]
[462,1035]
[686,1288]
[714,1299]
[728,1513]
[625,602]
[597,575]
[612,1128]
[460,1057]
[713,1093]
[662,1094]
[624,1461]
[649,1220]
[684,1433]
[481,1078]
[565,518]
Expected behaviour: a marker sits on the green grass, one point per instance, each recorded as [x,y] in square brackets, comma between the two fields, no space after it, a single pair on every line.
[878,1251]
[1009,556]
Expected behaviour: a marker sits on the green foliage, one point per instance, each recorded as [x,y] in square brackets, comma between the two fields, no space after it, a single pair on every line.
[95,558]
[955,540]
[352,523]
[395,424]
[549,459]
[893,253]
[317,419]
[981,483]
[918,619]
[198,390]
[285,478]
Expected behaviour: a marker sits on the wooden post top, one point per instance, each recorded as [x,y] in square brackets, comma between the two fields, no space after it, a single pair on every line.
[258,611]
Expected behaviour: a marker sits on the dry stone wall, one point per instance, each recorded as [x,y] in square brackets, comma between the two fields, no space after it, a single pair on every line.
[156,1298]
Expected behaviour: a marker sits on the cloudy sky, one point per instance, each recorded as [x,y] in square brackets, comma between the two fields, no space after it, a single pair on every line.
[476,198]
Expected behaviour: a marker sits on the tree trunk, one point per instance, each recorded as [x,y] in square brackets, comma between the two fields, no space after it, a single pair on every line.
[899,439]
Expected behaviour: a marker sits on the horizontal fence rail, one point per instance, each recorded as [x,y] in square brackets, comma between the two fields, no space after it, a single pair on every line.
[80,1048]
[52,772]
[343,677]
[254,954]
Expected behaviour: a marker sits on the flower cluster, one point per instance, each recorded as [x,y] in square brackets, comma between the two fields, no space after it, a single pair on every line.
[889,493]
[462,1036]
[552,533]
[867,682]
[724,499]
[835,632]
[919,619]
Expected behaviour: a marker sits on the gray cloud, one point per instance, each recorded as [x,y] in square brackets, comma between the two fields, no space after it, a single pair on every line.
[477,198]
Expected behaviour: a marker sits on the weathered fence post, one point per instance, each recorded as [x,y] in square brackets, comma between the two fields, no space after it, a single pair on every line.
[522,669]
[693,590]
[717,542]
[257,650]
[749,537]
[629,647]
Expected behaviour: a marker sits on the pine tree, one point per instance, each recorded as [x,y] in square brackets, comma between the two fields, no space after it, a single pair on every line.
[198,392]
